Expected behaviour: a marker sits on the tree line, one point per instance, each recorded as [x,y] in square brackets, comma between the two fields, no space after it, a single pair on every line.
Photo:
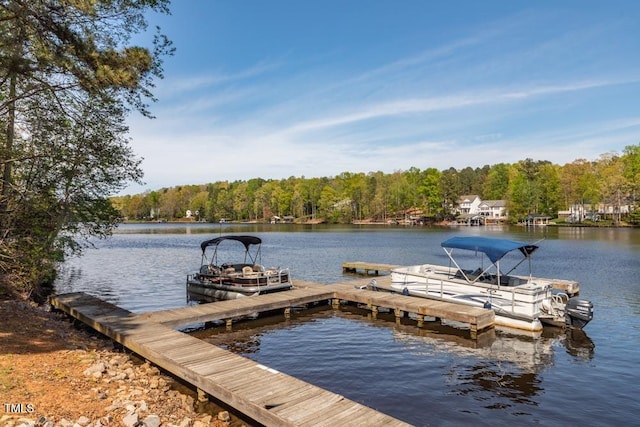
[69,76]
[527,186]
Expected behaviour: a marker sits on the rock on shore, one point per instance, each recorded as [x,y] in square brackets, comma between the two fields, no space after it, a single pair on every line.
[57,370]
[139,396]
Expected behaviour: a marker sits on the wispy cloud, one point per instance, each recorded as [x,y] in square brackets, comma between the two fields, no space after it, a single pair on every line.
[522,85]
[210,79]
[425,105]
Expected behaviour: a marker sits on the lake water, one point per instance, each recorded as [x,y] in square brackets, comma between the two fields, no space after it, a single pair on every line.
[433,376]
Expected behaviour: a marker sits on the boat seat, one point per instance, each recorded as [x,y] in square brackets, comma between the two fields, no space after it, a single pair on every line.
[211,269]
[475,274]
[247,271]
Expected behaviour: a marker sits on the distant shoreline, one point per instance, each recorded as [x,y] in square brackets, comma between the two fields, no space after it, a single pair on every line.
[383,223]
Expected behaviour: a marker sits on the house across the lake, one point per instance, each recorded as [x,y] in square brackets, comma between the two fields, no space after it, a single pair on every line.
[472,210]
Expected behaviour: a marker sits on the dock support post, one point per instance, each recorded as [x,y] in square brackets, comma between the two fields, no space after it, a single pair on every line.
[420,320]
[335,303]
[202,396]
[287,313]
[473,331]
[229,323]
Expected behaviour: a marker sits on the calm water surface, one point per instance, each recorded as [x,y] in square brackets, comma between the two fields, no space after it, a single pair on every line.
[434,376]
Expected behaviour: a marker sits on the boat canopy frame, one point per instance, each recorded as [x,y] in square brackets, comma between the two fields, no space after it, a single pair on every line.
[494,249]
[248,242]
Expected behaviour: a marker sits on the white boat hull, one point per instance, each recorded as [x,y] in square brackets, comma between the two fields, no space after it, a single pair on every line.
[226,292]
[517,304]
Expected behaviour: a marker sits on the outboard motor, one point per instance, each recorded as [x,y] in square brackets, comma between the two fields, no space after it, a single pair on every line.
[578,312]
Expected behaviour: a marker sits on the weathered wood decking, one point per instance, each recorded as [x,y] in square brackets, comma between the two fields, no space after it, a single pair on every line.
[268,396]
[366,267]
[264,394]
[304,293]
[308,292]
[570,287]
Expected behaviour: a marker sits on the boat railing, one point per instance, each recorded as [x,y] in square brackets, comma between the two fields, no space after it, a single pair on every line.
[558,302]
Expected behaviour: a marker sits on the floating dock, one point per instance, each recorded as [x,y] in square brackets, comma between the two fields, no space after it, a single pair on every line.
[360,267]
[268,396]
[570,287]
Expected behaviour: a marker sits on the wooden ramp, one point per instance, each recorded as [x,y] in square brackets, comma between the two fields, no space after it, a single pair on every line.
[264,394]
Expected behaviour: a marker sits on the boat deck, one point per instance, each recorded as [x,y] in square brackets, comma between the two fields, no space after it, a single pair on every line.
[570,287]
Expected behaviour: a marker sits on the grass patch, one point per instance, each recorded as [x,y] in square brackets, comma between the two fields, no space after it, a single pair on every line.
[7,382]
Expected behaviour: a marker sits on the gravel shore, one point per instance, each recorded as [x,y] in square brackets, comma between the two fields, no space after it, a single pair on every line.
[54,374]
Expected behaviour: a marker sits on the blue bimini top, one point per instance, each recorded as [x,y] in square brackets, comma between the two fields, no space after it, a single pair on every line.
[495,249]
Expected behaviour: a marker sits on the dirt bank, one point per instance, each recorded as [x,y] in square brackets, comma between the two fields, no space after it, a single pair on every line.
[54,374]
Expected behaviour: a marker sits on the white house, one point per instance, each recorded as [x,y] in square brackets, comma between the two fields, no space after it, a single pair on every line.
[494,210]
[469,204]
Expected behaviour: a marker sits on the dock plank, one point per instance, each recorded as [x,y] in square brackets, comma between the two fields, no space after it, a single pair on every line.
[278,393]
[366,267]
[230,309]
[308,292]
[312,407]
[479,317]
[337,415]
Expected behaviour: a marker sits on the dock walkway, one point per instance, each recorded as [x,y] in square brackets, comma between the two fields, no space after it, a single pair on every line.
[266,395]
[309,292]
[263,394]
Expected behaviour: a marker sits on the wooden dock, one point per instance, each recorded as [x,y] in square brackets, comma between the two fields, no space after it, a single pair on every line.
[268,396]
[366,268]
[570,287]
[309,292]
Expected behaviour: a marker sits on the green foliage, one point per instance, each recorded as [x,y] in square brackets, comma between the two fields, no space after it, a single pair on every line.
[68,78]
[8,380]
[496,184]
[529,186]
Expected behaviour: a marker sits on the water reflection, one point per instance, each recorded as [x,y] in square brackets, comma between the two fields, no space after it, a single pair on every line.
[498,369]
[578,344]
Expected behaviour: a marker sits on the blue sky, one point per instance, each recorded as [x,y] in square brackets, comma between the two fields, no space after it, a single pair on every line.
[282,88]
